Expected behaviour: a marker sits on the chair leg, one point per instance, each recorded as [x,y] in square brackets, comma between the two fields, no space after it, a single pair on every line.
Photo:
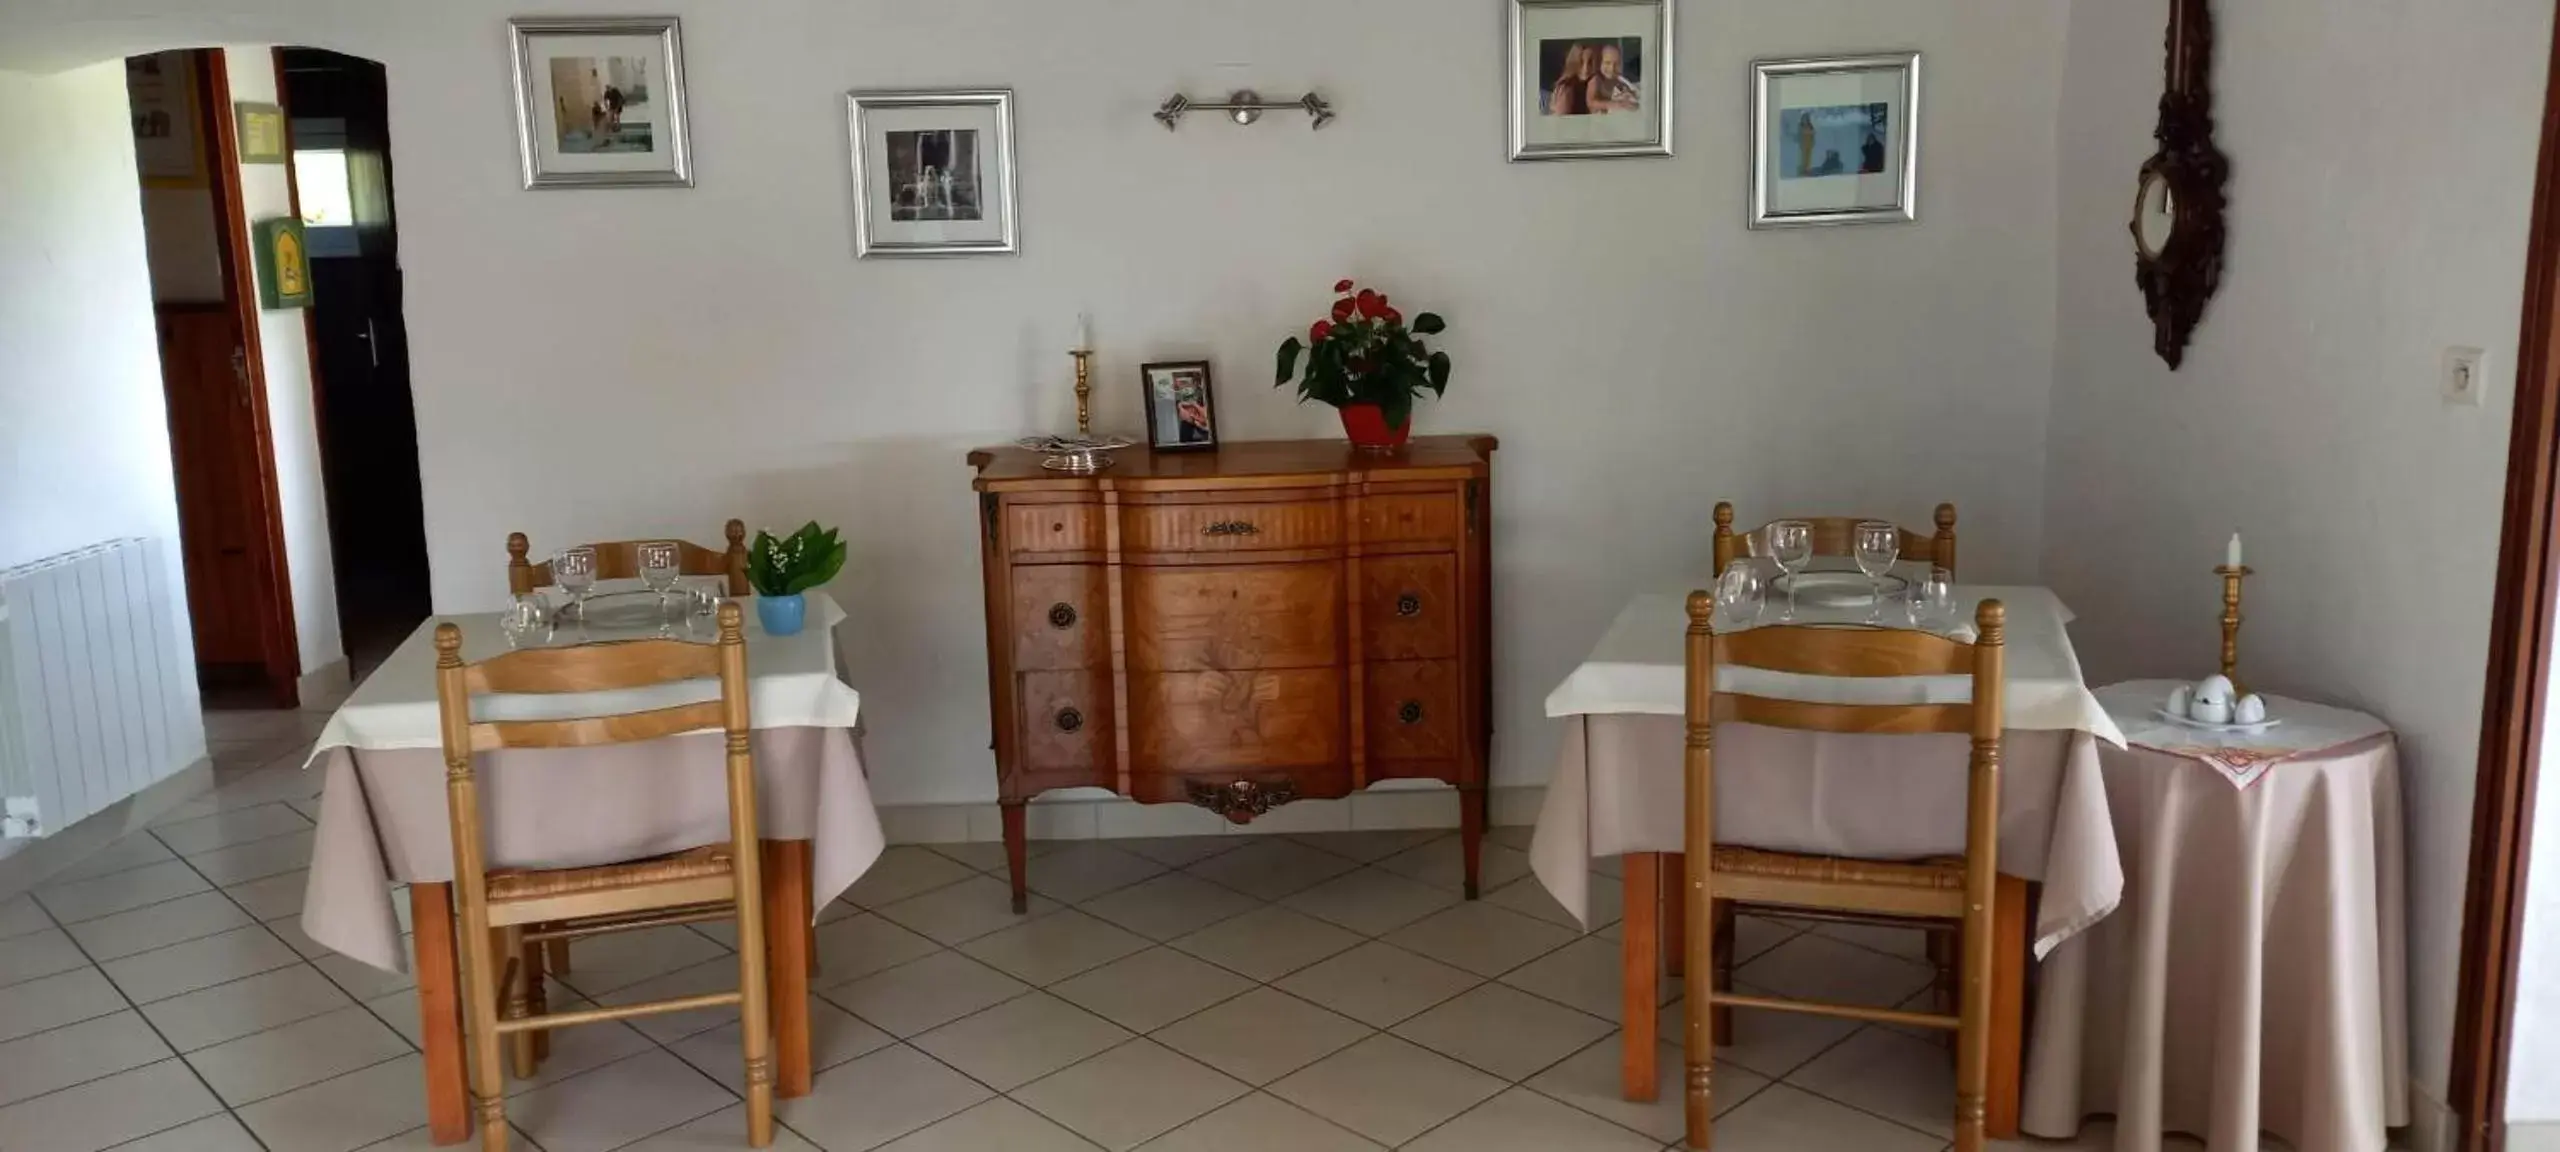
[1942,943]
[518,998]
[1640,962]
[1973,1031]
[558,954]
[480,989]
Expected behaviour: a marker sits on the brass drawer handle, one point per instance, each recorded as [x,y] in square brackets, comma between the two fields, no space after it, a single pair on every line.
[1062,615]
[1408,605]
[1234,528]
[1410,712]
[1069,720]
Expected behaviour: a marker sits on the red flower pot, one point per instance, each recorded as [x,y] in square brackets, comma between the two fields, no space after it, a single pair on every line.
[1366,425]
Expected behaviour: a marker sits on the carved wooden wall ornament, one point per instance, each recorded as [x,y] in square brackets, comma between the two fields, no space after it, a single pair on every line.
[2179,199]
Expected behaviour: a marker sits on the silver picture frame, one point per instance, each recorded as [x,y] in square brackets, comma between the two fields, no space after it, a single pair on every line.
[1766,75]
[1516,86]
[861,106]
[668,33]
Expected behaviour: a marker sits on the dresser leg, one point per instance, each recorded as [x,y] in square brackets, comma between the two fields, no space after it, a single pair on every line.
[1017,849]
[1471,803]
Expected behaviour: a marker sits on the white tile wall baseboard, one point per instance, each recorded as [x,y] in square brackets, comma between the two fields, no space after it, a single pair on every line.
[2530,1136]
[1091,815]
[28,866]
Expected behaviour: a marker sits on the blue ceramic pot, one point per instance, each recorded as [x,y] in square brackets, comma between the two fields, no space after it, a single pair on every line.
[782,615]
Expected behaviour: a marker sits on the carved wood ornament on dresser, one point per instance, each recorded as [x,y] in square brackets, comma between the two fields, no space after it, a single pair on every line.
[1274,621]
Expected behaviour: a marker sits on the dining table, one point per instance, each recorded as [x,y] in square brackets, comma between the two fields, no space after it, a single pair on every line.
[383,816]
[1618,782]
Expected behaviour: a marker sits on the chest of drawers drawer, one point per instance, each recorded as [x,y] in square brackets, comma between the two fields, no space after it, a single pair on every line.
[1061,617]
[1211,528]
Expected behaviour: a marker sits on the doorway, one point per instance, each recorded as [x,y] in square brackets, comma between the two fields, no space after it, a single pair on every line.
[338,112]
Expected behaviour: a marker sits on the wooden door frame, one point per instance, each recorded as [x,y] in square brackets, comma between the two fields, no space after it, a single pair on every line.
[278,641]
[2512,723]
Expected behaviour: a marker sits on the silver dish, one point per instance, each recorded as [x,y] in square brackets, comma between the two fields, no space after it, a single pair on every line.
[1835,589]
[637,611]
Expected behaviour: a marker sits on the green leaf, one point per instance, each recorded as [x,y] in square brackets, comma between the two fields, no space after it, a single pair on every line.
[1439,373]
[1398,408]
[1289,350]
[1429,324]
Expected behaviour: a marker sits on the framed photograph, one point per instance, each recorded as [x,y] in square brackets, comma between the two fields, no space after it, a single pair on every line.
[284,266]
[932,172]
[600,102]
[1181,417]
[261,132]
[1836,140]
[166,147]
[1590,78]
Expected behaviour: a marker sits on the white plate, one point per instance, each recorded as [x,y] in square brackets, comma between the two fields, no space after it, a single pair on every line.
[2201,726]
[1833,589]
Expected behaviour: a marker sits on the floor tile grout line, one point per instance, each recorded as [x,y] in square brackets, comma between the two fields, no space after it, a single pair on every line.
[163,1038]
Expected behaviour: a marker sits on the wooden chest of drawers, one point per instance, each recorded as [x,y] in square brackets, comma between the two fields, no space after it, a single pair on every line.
[1238,629]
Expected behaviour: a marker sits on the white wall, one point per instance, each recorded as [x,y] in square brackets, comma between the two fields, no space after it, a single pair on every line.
[616,363]
[292,419]
[2383,158]
[84,439]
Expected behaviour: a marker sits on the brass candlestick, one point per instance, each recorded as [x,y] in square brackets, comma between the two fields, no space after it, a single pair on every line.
[1084,390]
[2231,578]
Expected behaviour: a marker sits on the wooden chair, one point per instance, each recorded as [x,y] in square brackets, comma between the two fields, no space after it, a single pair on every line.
[1834,536]
[1963,890]
[620,560]
[508,915]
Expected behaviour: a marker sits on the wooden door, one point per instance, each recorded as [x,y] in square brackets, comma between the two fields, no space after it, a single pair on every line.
[221,524]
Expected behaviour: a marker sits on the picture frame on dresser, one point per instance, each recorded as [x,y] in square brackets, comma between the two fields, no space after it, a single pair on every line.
[600,102]
[1181,411]
[1274,623]
[933,172]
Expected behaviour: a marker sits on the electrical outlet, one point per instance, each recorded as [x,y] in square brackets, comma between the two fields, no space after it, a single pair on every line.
[2466,379]
[23,820]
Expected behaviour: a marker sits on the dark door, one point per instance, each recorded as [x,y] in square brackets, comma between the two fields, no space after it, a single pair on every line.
[220,522]
[368,429]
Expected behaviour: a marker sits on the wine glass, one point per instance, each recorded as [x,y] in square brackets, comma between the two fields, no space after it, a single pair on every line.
[658,562]
[1933,603]
[1740,596]
[1876,545]
[1791,546]
[527,619]
[575,570]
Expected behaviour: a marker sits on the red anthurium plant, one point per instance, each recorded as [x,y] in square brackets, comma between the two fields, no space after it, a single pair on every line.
[1364,353]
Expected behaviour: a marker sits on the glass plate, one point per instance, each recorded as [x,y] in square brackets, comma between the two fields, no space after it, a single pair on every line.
[1835,589]
[2201,726]
[634,610]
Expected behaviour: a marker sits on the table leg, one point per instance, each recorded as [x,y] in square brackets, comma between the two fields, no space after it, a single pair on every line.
[786,915]
[440,1012]
[2003,1097]
[1640,963]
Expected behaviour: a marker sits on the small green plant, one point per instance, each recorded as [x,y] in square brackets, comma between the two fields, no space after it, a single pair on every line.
[796,563]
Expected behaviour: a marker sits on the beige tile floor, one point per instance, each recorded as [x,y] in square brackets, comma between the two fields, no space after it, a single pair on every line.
[1314,992]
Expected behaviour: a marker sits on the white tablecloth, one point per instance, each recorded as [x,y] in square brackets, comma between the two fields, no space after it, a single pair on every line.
[2241,757]
[1617,786]
[382,816]
[1639,667]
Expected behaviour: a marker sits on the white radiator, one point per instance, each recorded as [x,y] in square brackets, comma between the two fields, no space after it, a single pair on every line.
[94,705]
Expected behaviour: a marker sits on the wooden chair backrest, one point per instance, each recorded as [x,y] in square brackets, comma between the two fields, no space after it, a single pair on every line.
[620,560]
[1836,536]
[1852,652]
[587,668]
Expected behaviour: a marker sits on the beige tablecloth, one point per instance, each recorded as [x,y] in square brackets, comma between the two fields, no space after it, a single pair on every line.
[382,818]
[382,807]
[1617,789]
[2255,976]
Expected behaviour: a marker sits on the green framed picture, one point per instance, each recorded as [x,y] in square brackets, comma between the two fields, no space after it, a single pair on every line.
[284,265]
[261,133]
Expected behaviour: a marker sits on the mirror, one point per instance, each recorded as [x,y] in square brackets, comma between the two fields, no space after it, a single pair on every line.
[2155,215]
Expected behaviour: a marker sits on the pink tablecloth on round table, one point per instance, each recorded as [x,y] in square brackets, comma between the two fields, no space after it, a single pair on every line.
[2253,977]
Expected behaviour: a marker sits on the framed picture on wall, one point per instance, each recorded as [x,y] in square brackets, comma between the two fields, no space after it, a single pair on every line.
[1835,140]
[600,102]
[1181,416]
[1590,78]
[166,147]
[932,172]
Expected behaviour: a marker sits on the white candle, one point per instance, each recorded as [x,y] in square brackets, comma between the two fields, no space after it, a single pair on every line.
[2231,553]
[1084,331]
